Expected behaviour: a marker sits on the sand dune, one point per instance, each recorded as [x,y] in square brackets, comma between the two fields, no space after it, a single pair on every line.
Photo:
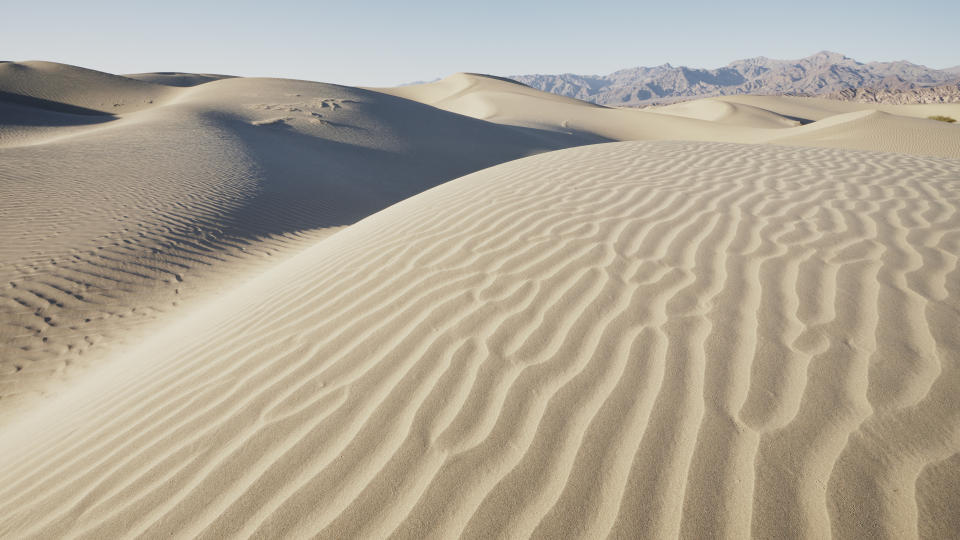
[872,129]
[39,100]
[625,340]
[75,89]
[177,79]
[812,109]
[111,225]
[728,113]
[508,102]
[250,308]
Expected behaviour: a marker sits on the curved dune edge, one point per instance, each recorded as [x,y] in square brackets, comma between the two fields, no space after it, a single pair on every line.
[728,113]
[624,340]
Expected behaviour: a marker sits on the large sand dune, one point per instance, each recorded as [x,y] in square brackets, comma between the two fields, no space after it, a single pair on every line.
[252,309]
[633,340]
[110,225]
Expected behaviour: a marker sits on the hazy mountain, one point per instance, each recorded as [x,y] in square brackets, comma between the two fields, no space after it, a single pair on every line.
[822,73]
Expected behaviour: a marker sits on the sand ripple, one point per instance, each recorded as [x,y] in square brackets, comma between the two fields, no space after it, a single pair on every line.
[623,340]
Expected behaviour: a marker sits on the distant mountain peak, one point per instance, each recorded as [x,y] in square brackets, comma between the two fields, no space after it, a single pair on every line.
[820,73]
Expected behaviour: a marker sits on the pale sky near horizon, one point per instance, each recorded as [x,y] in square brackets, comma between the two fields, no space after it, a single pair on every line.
[388,43]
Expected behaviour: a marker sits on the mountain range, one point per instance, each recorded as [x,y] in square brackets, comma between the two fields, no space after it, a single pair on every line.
[822,73]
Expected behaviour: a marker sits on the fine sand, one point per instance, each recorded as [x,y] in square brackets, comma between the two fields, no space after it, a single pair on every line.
[247,307]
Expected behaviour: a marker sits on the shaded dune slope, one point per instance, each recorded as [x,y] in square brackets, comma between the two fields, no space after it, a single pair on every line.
[63,86]
[111,224]
[39,100]
[623,340]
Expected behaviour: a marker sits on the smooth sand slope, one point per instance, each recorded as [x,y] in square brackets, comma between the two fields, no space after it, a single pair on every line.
[813,109]
[111,220]
[624,340]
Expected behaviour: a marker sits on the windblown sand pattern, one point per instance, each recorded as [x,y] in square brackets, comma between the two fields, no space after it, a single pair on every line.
[107,231]
[623,340]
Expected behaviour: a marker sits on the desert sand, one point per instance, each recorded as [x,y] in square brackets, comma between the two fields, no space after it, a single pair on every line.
[238,307]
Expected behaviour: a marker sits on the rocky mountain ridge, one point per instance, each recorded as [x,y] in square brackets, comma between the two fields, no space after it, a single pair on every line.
[947,93]
[822,73]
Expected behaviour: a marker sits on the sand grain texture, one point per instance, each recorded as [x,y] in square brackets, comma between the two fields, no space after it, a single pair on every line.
[627,340]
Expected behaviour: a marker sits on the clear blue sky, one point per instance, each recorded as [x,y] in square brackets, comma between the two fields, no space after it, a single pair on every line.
[385,43]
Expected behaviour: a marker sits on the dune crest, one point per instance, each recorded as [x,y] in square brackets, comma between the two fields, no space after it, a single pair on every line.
[626,340]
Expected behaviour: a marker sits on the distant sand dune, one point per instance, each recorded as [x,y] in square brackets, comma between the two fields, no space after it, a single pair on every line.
[814,109]
[728,113]
[622,340]
[743,119]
